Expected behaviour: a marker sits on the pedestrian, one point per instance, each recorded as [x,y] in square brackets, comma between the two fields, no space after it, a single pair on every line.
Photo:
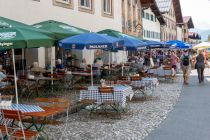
[185,65]
[194,60]
[200,65]
[174,60]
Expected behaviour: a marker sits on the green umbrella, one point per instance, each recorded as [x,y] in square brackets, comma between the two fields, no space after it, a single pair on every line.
[59,29]
[12,23]
[115,33]
[15,35]
[13,38]
[16,38]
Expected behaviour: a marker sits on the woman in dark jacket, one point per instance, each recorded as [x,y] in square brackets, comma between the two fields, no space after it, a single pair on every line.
[200,65]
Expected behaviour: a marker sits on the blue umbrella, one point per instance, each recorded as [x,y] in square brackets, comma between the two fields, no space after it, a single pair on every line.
[155,44]
[176,44]
[91,41]
[131,43]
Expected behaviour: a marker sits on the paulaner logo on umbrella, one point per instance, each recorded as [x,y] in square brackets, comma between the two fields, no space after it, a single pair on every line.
[4,24]
[98,46]
[7,35]
[37,26]
[6,44]
[69,28]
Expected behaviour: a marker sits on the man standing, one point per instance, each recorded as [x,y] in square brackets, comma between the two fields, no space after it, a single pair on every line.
[185,65]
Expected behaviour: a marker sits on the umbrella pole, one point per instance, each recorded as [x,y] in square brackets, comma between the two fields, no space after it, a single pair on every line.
[51,65]
[23,54]
[123,62]
[62,55]
[16,92]
[15,77]
[109,62]
[91,67]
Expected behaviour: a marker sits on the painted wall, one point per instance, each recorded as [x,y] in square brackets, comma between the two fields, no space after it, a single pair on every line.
[169,31]
[30,12]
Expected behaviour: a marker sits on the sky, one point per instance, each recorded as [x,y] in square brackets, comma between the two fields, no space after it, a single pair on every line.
[199,10]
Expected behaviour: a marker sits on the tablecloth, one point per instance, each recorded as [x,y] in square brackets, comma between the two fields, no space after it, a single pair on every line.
[23,108]
[162,72]
[120,94]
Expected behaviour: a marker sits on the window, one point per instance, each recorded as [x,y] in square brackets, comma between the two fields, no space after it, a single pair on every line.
[148,34]
[143,14]
[107,7]
[86,4]
[144,31]
[152,18]
[147,16]
[63,3]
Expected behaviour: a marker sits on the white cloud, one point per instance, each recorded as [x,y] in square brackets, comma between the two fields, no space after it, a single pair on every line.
[199,10]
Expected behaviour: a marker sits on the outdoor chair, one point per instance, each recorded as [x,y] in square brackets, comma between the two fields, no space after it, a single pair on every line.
[152,72]
[26,88]
[18,132]
[77,90]
[60,104]
[7,89]
[96,74]
[108,101]
[68,81]
[139,89]
[5,131]
[135,78]
[89,104]
[55,84]
[123,78]
[168,73]
[123,82]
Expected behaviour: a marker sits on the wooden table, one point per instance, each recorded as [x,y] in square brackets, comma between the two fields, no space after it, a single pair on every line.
[84,74]
[7,89]
[36,117]
[40,119]
[38,79]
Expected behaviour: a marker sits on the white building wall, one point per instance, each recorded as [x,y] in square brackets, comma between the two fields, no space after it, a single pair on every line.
[179,33]
[31,12]
[150,25]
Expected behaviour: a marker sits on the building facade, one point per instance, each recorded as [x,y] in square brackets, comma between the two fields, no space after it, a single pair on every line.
[180,33]
[171,11]
[194,38]
[152,20]
[93,15]
[151,26]
[131,18]
[187,24]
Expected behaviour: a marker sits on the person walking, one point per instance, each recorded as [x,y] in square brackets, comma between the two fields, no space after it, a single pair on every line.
[174,59]
[185,65]
[200,65]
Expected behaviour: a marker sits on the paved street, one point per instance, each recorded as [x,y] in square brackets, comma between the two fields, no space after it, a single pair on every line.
[190,119]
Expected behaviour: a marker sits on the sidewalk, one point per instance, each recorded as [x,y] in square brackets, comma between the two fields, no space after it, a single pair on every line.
[190,119]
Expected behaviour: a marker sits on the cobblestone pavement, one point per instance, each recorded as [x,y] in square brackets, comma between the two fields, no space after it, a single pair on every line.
[142,118]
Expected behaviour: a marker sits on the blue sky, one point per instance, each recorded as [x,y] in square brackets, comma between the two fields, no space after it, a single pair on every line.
[199,10]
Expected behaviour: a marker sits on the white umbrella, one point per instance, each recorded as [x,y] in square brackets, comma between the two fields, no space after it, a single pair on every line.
[203,45]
